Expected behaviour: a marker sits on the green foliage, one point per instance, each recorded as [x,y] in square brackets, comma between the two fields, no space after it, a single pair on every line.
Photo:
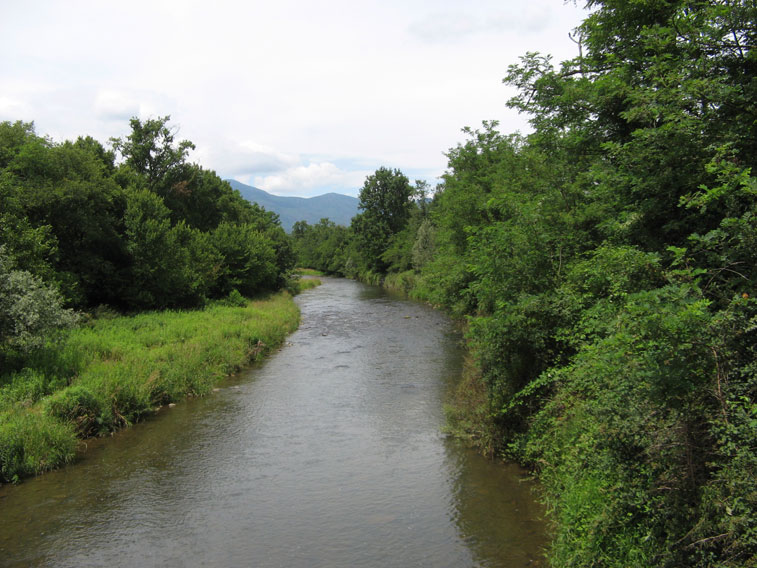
[60,215]
[248,259]
[150,152]
[323,246]
[78,406]
[622,446]
[403,282]
[297,285]
[386,201]
[167,262]
[424,245]
[139,235]
[726,532]
[235,299]
[30,311]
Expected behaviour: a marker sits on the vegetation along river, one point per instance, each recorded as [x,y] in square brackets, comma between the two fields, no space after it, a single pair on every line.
[328,454]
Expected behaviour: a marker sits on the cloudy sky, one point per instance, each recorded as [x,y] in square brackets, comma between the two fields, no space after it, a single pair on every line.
[295,97]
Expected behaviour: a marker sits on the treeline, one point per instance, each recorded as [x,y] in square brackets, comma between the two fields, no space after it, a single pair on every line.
[390,235]
[136,227]
[606,267]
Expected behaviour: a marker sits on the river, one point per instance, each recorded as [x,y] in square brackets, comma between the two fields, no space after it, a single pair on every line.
[328,454]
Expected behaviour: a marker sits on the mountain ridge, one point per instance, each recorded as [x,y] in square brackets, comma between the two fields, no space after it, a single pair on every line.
[337,207]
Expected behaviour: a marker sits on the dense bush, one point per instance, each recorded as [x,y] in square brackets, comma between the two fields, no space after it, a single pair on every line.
[30,311]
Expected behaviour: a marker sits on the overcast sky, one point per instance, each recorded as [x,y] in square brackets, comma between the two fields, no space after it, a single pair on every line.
[294,97]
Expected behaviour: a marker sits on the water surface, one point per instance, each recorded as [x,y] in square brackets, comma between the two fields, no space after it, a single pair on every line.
[329,454]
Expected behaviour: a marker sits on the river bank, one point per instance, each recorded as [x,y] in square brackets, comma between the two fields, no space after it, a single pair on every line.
[114,371]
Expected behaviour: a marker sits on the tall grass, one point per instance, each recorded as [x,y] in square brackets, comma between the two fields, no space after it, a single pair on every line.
[302,284]
[309,272]
[403,282]
[113,372]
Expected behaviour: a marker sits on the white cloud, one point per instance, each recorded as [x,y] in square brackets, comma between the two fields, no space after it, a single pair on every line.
[261,158]
[116,105]
[522,18]
[243,159]
[13,109]
[302,180]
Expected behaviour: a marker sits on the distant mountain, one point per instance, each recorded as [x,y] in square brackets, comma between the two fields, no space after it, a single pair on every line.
[337,207]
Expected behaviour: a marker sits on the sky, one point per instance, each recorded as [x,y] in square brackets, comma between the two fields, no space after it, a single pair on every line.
[298,98]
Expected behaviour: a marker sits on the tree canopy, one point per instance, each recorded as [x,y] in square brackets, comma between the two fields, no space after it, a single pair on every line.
[149,231]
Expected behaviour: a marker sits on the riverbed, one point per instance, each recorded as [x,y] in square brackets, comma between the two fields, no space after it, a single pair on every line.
[328,454]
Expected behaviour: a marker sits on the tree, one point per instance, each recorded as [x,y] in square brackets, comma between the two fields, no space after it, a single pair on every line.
[61,213]
[386,201]
[248,260]
[150,151]
[654,126]
[321,246]
[13,136]
[170,266]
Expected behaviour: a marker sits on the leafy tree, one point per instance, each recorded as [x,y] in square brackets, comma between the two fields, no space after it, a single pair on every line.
[168,267]
[62,215]
[386,203]
[150,151]
[248,260]
[424,246]
[13,136]
[322,246]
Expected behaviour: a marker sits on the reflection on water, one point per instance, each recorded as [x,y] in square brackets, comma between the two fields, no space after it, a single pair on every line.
[329,454]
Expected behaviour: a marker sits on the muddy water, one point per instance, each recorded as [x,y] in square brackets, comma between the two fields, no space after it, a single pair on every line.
[328,455]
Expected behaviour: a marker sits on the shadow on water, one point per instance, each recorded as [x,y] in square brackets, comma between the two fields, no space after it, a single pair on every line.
[328,454]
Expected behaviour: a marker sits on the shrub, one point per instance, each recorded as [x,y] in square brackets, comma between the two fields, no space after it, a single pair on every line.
[29,309]
[78,406]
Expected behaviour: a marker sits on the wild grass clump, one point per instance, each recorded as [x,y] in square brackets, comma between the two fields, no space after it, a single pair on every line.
[307,283]
[31,443]
[296,284]
[78,406]
[309,272]
[113,372]
[403,282]
[468,412]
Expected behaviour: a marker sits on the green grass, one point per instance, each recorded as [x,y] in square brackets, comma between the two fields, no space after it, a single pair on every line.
[403,282]
[299,284]
[113,372]
[468,413]
[307,283]
[309,272]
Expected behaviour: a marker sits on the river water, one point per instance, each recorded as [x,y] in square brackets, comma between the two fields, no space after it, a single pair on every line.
[329,454]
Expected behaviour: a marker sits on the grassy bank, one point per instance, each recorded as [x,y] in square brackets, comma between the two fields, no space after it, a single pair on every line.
[309,272]
[113,372]
[468,412]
